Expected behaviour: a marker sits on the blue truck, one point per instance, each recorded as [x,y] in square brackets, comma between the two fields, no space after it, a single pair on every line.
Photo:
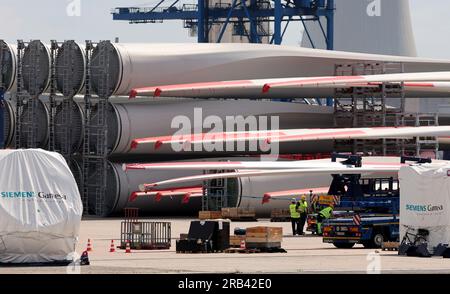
[368,210]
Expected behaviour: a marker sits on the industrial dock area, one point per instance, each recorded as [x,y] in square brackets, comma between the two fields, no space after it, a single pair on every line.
[232,153]
[310,256]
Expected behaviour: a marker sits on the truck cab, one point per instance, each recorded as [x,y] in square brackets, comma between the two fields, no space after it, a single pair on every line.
[371,213]
[367,211]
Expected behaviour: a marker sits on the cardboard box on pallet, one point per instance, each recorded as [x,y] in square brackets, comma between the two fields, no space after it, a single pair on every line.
[280,213]
[264,235]
[249,213]
[230,212]
[235,241]
[234,213]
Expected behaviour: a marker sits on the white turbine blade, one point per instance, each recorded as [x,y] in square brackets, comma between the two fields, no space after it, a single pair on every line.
[392,171]
[295,192]
[170,192]
[260,165]
[291,87]
[187,139]
[300,135]
[199,90]
[367,134]
[350,81]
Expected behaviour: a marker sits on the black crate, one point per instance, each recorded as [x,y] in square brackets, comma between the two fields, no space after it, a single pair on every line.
[221,238]
[216,231]
[202,230]
[194,246]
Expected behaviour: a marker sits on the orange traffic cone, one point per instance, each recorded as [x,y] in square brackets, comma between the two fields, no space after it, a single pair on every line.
[128,247]
[89,246]
[243,244]
[112,248]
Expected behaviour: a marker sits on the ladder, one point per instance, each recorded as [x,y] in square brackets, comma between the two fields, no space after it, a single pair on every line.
[215,193]
[52,96]
[20,96]
[86,133]
[95,156]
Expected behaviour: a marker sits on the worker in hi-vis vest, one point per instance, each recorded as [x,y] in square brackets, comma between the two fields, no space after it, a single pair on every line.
[295,217]
[325,213]
[303,209]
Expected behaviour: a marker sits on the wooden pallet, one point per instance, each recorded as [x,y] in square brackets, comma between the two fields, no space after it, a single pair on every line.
[255,250]
[201,252]
[239,214]
[235,241]
[206,215]
[147,247]
[390,246]
[280,215]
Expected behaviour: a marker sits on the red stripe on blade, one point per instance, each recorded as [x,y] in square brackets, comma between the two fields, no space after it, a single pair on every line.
[307,81]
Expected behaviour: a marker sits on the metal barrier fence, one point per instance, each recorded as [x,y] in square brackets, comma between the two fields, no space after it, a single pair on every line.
[146,235]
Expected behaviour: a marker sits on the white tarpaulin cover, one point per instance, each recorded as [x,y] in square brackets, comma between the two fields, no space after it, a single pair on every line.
[40,207]
[425,201]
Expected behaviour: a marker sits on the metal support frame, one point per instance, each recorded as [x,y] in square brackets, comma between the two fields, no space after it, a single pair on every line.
[215,193]
[52,97]
[95,156]
[86,132]
[240,13]
[65,125]
[26,128]
[367,108]
[421,146]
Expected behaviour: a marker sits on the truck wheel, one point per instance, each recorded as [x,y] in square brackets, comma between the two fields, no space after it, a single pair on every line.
[375,242]
[344,245]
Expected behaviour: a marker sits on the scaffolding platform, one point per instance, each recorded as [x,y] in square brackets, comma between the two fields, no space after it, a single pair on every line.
[365,107]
